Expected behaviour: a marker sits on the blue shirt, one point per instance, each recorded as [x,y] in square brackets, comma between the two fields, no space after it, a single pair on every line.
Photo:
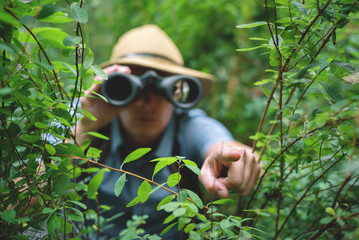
[194,134]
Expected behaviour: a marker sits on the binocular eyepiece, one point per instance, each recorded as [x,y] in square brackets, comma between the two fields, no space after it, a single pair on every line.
[182,91]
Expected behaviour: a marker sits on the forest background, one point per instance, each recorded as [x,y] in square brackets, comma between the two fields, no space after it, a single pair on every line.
[287,84]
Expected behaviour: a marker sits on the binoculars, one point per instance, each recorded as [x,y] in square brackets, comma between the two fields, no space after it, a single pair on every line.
[182,91]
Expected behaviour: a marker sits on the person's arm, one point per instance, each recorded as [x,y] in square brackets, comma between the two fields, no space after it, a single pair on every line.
[229,166]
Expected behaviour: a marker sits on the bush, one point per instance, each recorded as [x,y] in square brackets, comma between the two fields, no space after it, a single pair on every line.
[307,136]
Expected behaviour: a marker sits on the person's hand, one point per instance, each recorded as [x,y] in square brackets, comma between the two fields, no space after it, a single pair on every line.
[229,167]
[103,112]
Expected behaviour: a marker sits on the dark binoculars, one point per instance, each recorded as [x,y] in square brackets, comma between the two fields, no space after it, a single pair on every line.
[182,91]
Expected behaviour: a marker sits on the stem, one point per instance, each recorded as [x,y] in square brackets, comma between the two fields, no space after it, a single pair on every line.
[282,158]
[347,179]
[124,171]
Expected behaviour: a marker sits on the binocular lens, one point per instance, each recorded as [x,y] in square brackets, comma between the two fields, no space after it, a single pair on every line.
[185,91]
[181,90]
[118,89]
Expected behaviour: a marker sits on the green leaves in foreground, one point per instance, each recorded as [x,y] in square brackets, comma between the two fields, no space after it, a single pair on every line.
[120,183]
[95,183]
[135,155]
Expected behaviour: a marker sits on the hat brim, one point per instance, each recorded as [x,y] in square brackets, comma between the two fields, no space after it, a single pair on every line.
[164,65]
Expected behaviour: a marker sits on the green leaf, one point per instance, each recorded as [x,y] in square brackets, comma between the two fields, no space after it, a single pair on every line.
[194,236]
[57,17]
[6,91]
[162,162]
[332,92]
[64,121]
[252,25]
[53,36]
[259,137]
[225,224]
[248,49]
[31,138]
[52,223]
[179,212]
[46,10]
[164,201]
[303,71]
[61,184]
[47,210]
[78,13]
[330,211]
[295,117]
[52,166]
[189,227]
[196,199]
[278,44]
[65,226]
[224,201]
[96,95]
[87,79]
[169,219]
[194,169]
[264,81]
[345,65]
[71,40]
[98,135]
[68,149]
[135,155]
[41,125]
[6,17]
[80,204]
[120,183]
[265,91]
[8,215]
[93,152]
[301,7]
[95,184]
[98,71]
[144,188]
[50,149]
[169,207]
[89,115]
[182,221]
[262,213]
[173,179]
[189,162]
[168,228]
[326,220]
[76,216]
[143,194]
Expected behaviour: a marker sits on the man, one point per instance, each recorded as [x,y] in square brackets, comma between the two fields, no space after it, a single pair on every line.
[153,120]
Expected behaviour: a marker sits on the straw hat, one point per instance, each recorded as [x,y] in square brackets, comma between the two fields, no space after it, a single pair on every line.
[149,46]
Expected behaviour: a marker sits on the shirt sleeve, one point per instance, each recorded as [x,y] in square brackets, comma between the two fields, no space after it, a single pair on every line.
[197,133]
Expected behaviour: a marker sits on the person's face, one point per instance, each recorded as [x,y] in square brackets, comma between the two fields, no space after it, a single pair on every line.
[146,117]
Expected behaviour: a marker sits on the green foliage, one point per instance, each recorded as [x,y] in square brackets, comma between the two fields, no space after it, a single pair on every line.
[305,150]
[306,139]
